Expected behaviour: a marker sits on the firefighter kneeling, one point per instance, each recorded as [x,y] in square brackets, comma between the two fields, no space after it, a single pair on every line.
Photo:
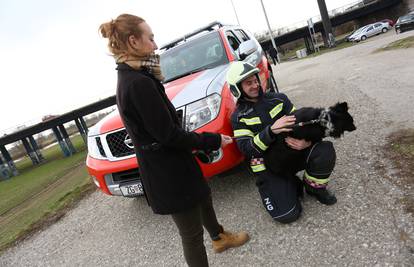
[259,120]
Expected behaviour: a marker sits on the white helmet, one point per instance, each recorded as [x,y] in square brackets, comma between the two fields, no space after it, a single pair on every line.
[237,72]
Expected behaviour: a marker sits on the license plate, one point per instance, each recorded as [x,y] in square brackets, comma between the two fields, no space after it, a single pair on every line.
[132,190]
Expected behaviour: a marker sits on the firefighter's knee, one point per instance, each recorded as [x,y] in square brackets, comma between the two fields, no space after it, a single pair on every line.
[322,157]
[328,151]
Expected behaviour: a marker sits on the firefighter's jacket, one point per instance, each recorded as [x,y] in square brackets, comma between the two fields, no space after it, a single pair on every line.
[251,123]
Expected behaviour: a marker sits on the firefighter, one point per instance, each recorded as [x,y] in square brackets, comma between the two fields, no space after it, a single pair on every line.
[263,118]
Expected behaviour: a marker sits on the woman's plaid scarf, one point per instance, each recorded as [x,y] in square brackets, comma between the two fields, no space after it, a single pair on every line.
[151,63]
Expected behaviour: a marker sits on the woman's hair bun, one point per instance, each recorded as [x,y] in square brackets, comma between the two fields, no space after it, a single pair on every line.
[107,29]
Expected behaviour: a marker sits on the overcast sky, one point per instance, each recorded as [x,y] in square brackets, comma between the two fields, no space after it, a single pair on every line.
[53,59]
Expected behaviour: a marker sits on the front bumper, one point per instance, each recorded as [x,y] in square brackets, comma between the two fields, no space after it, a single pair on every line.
[103,172]
[111,174]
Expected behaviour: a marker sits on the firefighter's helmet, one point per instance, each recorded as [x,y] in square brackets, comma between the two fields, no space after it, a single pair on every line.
[237,72]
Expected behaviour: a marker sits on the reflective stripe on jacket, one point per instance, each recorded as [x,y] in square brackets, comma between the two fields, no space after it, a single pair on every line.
[251,123]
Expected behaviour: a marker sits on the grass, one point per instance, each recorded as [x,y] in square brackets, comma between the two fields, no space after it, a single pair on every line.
[407,42]
[340,44]
[51,153]
[403,143]
[41,194]
[400,150]
[291,53]
[15,190]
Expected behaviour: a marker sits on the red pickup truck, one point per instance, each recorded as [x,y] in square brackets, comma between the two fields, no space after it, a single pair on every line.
[195,68]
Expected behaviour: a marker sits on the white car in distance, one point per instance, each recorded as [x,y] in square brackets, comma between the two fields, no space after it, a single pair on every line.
[369,30]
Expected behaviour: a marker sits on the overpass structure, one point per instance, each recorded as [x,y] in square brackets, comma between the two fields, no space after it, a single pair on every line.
[7,166]
[338,17]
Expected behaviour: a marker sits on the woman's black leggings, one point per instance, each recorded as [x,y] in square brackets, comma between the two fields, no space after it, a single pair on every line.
[190,226]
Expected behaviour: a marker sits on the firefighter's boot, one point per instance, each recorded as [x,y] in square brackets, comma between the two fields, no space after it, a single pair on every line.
[229,240]
[321,194]
[299,187]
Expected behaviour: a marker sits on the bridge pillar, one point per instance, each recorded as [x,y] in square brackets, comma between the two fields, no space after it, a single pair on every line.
[82,131]
[5,172]
[328,37]
[66,151]
[9,160]
[67,139]
[309,45]
[85,127]
[30,151]
[36,148]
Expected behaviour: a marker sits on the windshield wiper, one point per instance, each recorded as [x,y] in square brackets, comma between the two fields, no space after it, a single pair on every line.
[209,66]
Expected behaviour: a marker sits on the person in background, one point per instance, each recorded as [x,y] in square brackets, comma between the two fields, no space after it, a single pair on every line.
[273,55]
[172,179]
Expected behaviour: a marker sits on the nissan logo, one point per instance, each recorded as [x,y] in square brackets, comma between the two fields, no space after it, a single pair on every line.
[128,142]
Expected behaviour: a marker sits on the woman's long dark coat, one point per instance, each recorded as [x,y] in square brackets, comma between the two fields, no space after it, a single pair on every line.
[170,175]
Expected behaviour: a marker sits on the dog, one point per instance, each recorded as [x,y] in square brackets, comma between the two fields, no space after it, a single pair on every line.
[312,124]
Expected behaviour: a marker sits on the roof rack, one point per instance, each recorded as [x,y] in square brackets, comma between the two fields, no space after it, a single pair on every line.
[209,27]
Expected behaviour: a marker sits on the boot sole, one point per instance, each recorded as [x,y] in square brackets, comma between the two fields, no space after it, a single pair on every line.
[221,249]
[316,196]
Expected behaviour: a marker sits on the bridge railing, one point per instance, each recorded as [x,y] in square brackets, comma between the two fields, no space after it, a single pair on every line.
[304,23]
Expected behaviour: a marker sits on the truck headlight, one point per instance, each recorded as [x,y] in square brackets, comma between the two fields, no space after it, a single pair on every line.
[95,149]
[202,112]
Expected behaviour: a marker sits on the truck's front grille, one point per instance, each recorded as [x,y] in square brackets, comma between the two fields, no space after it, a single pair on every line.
[100,147]
[117,143]
[120,144]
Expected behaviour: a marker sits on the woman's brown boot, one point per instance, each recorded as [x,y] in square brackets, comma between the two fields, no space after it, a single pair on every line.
[229,240]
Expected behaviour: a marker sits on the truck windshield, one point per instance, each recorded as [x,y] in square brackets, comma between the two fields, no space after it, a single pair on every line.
[193,56]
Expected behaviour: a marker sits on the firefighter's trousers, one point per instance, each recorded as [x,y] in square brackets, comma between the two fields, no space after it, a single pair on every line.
[280,191]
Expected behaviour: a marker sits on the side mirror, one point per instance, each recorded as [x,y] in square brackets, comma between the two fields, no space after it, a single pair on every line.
[246,48]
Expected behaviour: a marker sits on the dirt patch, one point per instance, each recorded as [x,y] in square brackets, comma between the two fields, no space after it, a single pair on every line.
[52,218]
[400,150]
[59,208]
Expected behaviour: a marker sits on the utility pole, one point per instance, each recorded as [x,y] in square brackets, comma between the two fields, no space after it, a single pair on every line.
[238,22]
[328,39]
[270,31]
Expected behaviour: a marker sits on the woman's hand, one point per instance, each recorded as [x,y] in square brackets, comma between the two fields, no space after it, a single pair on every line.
[297,144]
[225,140]
[285,121]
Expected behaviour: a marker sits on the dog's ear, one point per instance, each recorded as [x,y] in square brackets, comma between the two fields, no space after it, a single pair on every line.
[341,107]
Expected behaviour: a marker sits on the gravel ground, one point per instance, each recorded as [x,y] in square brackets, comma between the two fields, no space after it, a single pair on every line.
[367,227]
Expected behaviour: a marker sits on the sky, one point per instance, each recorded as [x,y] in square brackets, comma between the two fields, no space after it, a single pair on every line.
[53,59]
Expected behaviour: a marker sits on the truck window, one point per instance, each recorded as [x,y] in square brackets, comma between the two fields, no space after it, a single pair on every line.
[241,35]
[233,41]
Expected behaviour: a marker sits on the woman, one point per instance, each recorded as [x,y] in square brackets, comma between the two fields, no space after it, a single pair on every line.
[172,179]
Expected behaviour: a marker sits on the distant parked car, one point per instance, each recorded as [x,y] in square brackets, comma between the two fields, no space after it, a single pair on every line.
[405,23]
[370,30]
[390,21]
[350,37]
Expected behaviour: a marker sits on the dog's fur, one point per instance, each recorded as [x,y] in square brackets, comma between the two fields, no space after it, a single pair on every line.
[279,154]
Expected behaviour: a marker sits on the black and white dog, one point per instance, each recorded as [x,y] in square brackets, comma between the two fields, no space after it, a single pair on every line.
[312,124]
